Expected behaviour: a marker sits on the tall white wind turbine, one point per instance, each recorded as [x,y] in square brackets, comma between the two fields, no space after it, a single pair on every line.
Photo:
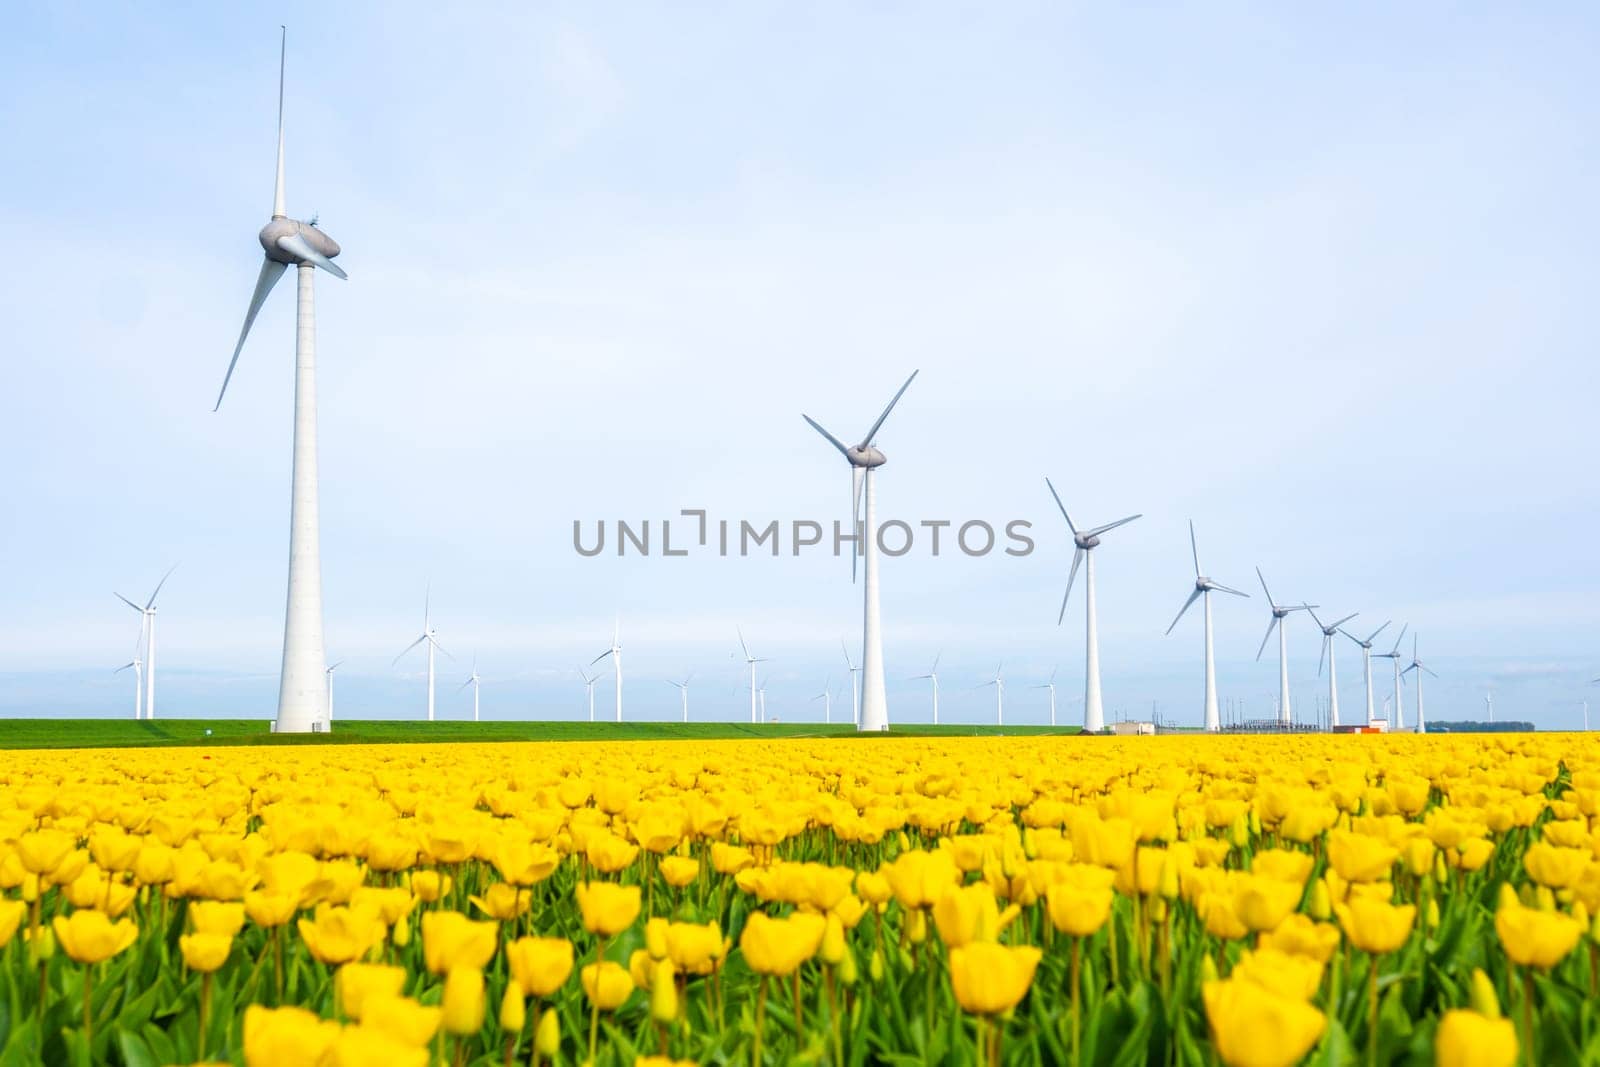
[334,667]
[999,683]
[683,693]
[1094,719]
[1398,720]
[147,629]
[1202,590]
[1327,654]
[137,666]
[473,680]
[751,661]
[1366,661]
[288,242]
[1279,613]
[761,691]
[931,676]
[1051,685]
[855,686]
[589,681]
[1421,669]
[430,637]
[864,460]
[826,696]
[615,652]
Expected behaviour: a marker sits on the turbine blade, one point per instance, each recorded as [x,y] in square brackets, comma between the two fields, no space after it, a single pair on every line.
[1354,638]
[278,211]
[600,657]
[1313,612]
[1429,671]
[1077,558]
[1195,548]
[1186,604]
[1264,588]
[1063,507]
[1273,625]
[1379,630]
[1326,638]
[935,666]
[817,426]
[122,668]
[409,647]
[128,602]
[1402,637]
[152,601]
[1113,525]
[875,426]
[846,650]
[271,271]
[296,245]
[742,646]
[1346,619]
[1226,589]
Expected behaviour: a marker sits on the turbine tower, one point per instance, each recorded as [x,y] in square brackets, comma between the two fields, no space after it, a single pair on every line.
[932,676]
[1051,685]
[1398,721]
[1094,719]
[826,696]
[864,460]
[1366,661]
[683,692]
[473,680]
[855,688]
[301,695]
[588,684]
[430,636]
[1327,653]
[147,632]
[999,683]
[761,691]
[615,652]
[331,669]
[750,661]
[1202,589]
[137,666]
[1421,669]
[1279,613]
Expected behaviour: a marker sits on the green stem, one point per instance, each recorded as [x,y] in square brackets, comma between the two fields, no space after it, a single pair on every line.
[1527,1015]
[761,1017]
[1372,1013]
[205,1012]
[1074,979]
[88,1011]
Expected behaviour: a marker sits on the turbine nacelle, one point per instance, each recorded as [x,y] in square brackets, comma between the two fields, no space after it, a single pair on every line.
[288,240]
[865,456]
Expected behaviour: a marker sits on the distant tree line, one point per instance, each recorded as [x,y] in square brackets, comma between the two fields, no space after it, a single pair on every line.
[1469,726]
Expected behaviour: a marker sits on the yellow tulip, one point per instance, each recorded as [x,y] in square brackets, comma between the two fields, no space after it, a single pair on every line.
[450,939]
[679,871]
[607,908]
[513,1010]
[270,909]
[606,984]
[502,901]
[1262,903]
[205,952]
[89,937]
[989,978]
[358,984]
[277,1036]
[1252,1026]
[1280,972]
[1467,1039]
[216,917]
[1376,926]
[463,1001]
[539,965]
[1360,858]
[1535,938]
[966,914]
[12,913]
[695,948]
[336,935]
[1299,935]
[44,851]
[779,946]
[919,879]
[413,1023]
[364,1046]
[1557,868]
[1078,911]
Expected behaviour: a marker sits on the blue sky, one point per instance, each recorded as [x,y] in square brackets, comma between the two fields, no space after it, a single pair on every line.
[1318,279]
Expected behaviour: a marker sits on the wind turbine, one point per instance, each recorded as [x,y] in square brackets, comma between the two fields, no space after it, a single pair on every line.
[615,652]
[1086,541]
[137,666]
[751,661]
[1398,722]
[855,689]
[286,241]
[864,459]
[826,696]
[1366,660]
[147,627]
[473,680]
[933,676]
[1051,685]
[1421,669]
[683,691]
[1279,613]
[762,692]
[999,683]
[1327,653]
[430,636]
[588,683]
[331,669]
[1488,703]
[1202,589]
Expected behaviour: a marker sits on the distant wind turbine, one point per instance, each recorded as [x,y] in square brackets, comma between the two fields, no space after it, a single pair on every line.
[932,676]
[473,680]
[683,692]
[289,242]
[1488,704]
[1421,669]
[864,460]
[999,683]
[147,626]
[1202,589]
[826,696]
[137,666]
[588,684]
[1398,722]
[1094,719]
[761,691]
[751,661]
[331,669]
[855,688]
[615,652]
[1051,685]
[1279,613]
[1328,630]
[430,637]
[1366,661]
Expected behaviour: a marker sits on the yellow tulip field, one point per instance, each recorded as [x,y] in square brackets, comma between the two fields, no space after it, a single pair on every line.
[1249,901]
